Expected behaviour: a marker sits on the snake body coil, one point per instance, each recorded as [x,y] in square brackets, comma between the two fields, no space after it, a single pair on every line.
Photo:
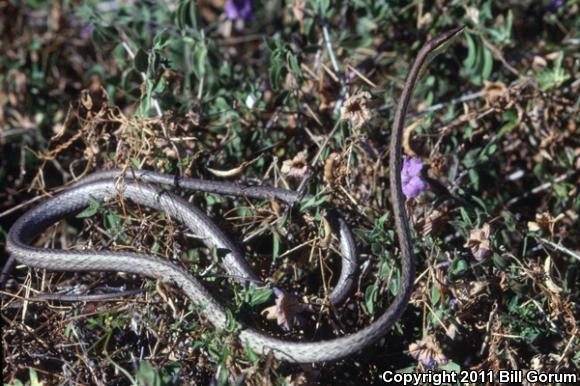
[140,187]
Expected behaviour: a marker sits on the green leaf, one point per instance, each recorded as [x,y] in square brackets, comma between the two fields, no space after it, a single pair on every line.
[181,14]
[223,376]
[502,35]
[406,370]
[259,296]
[474,178]
[512,121]
[435,295]
[451,367]
[15,382]
[553,77]
[104,35]
[114,224]
[251,354]
[141,60]
[127,81]
[91,210]
[385,270]
[314,201]
[487,64]
[465,216]
[370,297]
[276,73]
[293,64]
[34,381]
[459,267]
[500,262]
[276,245]
[479,202]
[199,59]
[395,283]
[161,40]
[187,15]
[471,52]
[231,324]
[561,190]
[324,6]
[147,375]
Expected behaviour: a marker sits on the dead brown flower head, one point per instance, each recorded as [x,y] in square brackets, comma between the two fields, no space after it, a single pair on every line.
[479,243]
[428,352]
[544,222]
[285,311]
[355,110]
[296,167]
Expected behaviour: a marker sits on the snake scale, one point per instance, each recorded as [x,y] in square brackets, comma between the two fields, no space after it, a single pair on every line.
[141,187]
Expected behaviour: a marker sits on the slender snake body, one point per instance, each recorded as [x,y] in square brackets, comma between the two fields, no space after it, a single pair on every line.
[140,187]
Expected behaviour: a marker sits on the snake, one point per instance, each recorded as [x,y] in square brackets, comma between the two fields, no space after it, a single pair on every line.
[145,187]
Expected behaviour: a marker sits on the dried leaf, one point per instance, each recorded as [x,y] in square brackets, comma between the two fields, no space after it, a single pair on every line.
[494,91]
[86,100]
[473,14]
[479,243]
[475,287]
[434,224]
[452,332]
[544,222]
[407,138]
[329,167]
[285,311]
[538,64]
[548,278]
[232,172]
[425,20]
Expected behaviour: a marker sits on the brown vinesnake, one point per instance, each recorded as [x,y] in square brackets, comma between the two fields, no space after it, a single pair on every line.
[141,187]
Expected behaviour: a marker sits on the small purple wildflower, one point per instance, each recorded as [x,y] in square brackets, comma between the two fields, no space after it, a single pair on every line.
[87,31]
[454,304]
[411,179]
[239,9]
[555,5]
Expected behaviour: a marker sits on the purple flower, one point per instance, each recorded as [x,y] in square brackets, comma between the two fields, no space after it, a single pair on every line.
[454,304]
[239,9]
[411,179]
[87,31]
[555,5]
